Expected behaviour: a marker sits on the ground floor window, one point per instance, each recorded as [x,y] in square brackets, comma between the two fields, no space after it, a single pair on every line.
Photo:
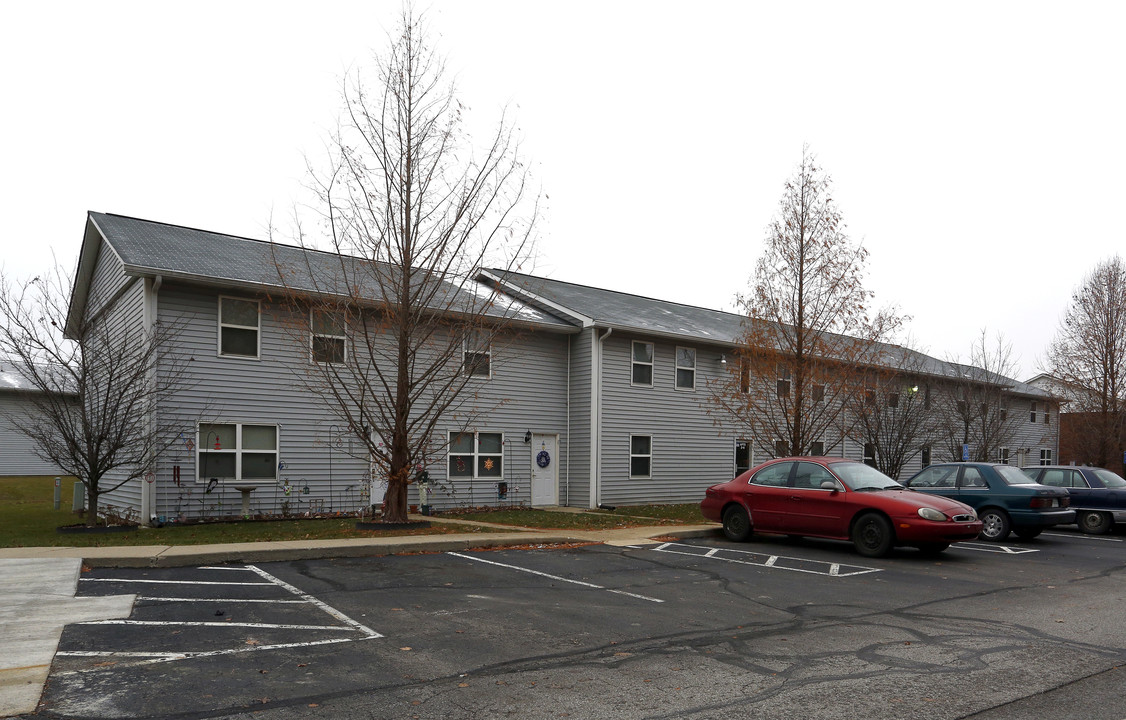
[237,451]
[476,455]
[640,456]
[742,456]
[817,448]
[870,454]
[926,459]
[1003,456]
[1046,457]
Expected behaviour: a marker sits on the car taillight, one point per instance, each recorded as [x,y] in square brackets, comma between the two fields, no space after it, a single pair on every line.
[1049,502]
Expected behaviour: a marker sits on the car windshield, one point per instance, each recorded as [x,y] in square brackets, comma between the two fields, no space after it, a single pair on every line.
[1111,480]
[858,476]
[1012,476]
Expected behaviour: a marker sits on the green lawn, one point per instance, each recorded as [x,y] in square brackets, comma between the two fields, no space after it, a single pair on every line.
[621,517]
[28,519]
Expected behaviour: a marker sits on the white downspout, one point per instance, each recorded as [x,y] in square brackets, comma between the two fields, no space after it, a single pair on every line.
[596,425]
[148,490]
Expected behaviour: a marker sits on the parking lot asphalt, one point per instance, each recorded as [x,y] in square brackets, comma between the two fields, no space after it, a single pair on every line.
[38,585]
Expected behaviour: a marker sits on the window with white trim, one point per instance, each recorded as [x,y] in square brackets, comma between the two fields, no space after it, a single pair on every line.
[328,342]
[817,448]
[640,456]
[783,382]
[477,355]
[476,455]
[926,456]
[1046,457]
[1032,411]
[239,452]
[817,392]
[870,454]
[642,371]
[1003,456]
[781,448]
[239,327]
[685,368]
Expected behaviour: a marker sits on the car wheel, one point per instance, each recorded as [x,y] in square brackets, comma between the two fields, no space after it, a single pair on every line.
[994,525]
[1028,533]
[872,535]
[1094,523]
[736,524]
[932,548]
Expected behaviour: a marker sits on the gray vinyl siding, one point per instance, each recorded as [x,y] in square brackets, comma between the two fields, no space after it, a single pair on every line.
[125,318]
[316,451]
[528,391]
[108,279]
[574,488]
[689,451]
[16,454]
[1034,436]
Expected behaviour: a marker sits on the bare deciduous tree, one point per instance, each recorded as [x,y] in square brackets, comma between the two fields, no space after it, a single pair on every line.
[401,332]
[96,385]
[1088,357]
[892,410]
[809,332]
[974,406]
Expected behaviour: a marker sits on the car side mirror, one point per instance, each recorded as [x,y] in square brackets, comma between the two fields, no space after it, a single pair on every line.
[829,485]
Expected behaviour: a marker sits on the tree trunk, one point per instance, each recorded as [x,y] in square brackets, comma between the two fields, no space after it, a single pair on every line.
[91,503]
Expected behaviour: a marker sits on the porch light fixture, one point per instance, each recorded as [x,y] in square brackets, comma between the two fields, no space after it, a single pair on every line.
[528,438]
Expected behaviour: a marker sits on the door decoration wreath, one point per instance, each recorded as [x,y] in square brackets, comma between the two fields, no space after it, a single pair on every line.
[543,459]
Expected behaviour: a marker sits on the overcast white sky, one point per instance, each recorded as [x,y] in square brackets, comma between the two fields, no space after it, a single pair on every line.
[977,148]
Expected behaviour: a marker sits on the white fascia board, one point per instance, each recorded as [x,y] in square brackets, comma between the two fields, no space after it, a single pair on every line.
[522,294]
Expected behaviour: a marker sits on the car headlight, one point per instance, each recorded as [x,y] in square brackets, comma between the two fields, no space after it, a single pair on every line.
[931,514]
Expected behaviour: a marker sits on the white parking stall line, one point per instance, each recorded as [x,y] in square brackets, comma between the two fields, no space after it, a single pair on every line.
[154,657]
[222,600]
[172,582]
[309,598]
[203,623]
[267,580]
[999,549]
[774,562]
[554,577]
[1082,537]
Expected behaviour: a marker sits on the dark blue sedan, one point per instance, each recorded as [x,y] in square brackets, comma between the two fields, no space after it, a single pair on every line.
[1005,498]
[1097,495]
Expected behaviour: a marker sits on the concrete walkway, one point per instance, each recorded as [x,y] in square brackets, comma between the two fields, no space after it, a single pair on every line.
[38,585]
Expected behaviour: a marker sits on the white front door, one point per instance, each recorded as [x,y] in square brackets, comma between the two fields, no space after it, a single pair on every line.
[545,463]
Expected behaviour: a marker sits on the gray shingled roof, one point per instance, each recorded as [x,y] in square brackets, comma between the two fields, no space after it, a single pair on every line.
[635,313]
[631,313]
[152,248]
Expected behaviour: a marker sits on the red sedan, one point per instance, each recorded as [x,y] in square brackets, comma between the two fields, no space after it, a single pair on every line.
[838,499]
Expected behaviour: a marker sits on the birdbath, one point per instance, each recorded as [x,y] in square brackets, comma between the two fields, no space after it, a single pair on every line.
[246,490]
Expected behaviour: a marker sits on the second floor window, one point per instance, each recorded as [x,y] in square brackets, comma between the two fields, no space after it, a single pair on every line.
[685,368]
[642,364]
[477,359]
[1032,412]
[328,342]
[783,383]
[239,327]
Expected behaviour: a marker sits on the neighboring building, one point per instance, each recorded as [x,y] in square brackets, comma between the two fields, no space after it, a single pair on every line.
[1081,428]
[610,389]
[17,454]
